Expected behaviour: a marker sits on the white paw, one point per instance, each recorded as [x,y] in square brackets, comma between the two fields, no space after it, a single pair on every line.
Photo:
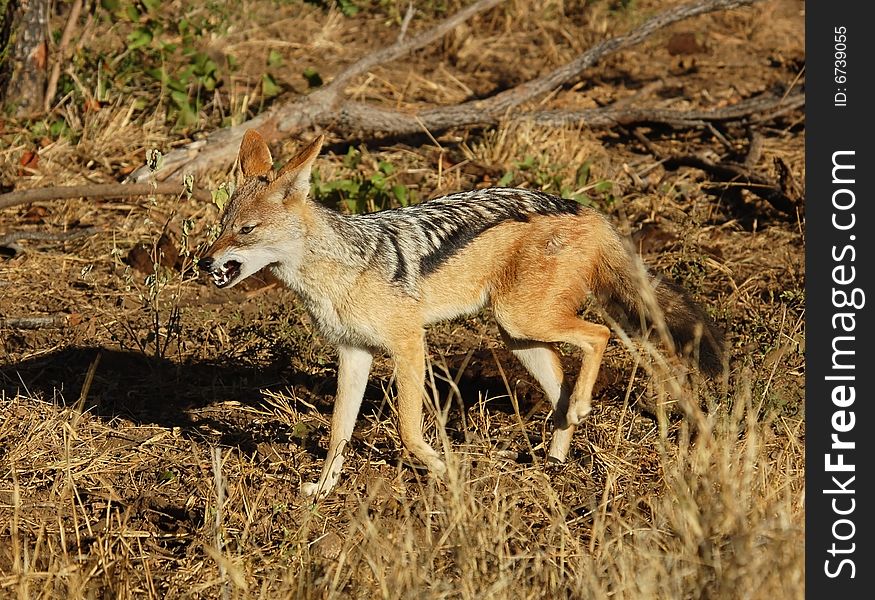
[431,459]
[309,490]
[437,467]
[577,412]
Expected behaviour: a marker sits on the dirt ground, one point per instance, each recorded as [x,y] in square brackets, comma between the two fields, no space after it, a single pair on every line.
[154,430]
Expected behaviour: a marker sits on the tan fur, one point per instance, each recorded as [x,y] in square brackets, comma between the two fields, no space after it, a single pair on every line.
[535,274]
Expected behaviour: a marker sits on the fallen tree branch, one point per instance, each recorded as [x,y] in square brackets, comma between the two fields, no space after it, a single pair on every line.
[610,116]
[97,190]
[17,236]
[738,174]
[326,108]
[370,120]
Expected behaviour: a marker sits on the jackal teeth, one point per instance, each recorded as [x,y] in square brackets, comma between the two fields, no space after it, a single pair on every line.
[226,273]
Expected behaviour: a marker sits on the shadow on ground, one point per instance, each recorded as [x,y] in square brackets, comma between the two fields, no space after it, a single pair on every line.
[194,396]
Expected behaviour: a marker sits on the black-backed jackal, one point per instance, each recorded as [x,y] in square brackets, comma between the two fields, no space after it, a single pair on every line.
[373,282]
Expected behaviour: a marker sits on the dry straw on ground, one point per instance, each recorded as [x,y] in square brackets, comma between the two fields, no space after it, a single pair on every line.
[153,438]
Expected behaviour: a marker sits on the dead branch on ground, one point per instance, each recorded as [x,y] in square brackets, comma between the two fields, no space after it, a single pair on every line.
[739,175]
[735,173]
[371,120]
[326,108]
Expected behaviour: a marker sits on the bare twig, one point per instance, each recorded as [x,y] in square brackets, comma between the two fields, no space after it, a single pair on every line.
[97,190]
[405,23]
[52,85]
[739,175]
[326,107]
[41,322]
[754,149]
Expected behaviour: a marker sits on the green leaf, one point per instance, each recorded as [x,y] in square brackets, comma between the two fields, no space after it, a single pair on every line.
[275,59]
[188,114]
[58,128]
[581,178]
[166,476]
[378,180]
[401,194]
[349,186]
[527,163]
[180,99]
[386,167]
[352,159]
[604,186]
[301,431]
[204,65]
[158,73]
[269,86]
[506,179]
[348,7]
[220,196]
[151,5]
[139,38]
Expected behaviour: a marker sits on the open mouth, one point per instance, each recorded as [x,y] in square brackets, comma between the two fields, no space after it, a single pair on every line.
[225,274]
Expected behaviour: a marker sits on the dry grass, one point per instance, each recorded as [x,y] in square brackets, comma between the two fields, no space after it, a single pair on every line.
[154,446]
[654,510]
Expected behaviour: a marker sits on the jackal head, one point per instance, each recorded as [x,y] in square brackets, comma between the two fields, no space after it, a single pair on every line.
[264,222]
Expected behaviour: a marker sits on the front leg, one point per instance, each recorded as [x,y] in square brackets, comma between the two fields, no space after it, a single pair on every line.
[408,352]
[354,365]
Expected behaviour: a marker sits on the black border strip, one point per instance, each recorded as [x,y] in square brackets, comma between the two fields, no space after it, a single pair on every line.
[839,266]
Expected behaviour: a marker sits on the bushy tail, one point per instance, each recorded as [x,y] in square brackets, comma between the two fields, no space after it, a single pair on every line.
[638,301]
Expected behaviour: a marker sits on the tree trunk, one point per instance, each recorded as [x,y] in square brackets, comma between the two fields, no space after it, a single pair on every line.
[23,55]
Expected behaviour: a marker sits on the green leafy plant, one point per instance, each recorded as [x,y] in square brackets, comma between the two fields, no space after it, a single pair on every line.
[168,49]
[362,193]
[552,178]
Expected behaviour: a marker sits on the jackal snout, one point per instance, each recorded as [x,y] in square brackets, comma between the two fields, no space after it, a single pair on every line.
[223,273]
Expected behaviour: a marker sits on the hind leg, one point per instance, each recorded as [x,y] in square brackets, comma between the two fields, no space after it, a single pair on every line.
[592,339]
[542,361]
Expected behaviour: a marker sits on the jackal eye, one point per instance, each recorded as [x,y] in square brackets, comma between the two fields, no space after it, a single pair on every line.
[247,229]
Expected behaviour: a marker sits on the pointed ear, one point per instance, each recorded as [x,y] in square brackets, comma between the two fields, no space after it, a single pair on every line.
[296,172]
[305,157]
[254,155]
